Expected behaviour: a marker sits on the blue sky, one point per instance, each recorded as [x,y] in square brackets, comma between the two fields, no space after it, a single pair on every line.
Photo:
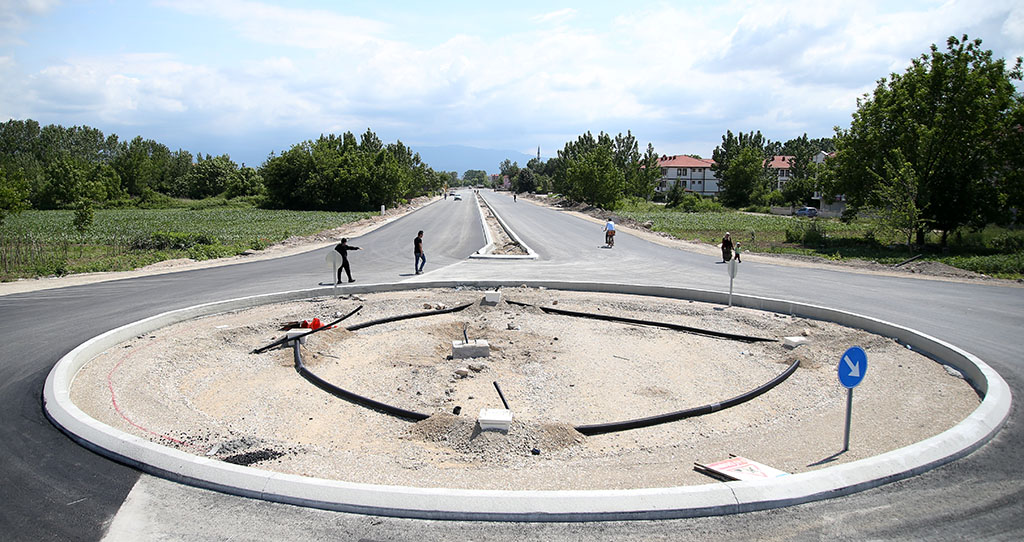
[248,77]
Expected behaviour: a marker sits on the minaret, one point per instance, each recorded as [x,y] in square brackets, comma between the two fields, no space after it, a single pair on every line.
[538,152]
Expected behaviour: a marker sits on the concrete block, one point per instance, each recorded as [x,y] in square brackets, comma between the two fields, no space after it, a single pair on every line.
[476,348]
[793,342]
[495,418]
[492,297]
[299,333]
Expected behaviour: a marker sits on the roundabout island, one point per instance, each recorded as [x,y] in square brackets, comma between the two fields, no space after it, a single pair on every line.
[182,395]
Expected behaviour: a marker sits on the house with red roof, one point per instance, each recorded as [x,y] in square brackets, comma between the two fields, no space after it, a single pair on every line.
[694,174]
[781,167]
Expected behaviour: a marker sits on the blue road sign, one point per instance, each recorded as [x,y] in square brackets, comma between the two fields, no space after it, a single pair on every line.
[852,367]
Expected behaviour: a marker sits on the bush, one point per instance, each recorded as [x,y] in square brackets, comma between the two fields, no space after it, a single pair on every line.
[1006,265]
[210,251]
[1009,242]
[807,233]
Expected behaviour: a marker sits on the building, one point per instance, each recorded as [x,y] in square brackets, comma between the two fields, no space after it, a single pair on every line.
[695,174]
[836,206]
[781,167]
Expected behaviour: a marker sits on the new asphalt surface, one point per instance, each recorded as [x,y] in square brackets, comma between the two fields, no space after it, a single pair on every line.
[55,490]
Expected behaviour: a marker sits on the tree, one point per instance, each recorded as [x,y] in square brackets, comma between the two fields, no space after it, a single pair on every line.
[949,119]
[634,174]
[474,176]
[737,179]
[525,181]
[749,180]
[594,179]
[509,169]
[247,182]
[13,194]
[898,194]
[209,177]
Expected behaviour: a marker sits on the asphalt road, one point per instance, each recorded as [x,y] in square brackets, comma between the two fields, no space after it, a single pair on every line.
[55,490]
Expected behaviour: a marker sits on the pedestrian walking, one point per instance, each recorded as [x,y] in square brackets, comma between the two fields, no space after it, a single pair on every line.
[417,250]
[514,195]
[726,248]
[736,251]
[342,248]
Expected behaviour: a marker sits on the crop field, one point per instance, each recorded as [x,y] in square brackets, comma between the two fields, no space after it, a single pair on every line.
[40,243]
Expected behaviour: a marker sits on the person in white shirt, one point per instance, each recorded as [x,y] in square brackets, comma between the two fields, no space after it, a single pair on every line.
[609,233]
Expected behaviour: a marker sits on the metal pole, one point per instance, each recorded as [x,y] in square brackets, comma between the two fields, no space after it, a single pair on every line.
[465,335]
[849,411]
[730,291]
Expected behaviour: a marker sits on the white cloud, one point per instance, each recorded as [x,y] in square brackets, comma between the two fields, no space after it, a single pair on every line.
[303,28]
[555,16]
[672,74]
[14,15]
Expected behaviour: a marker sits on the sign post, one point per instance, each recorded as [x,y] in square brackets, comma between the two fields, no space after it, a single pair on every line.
[733,268]
[852,367]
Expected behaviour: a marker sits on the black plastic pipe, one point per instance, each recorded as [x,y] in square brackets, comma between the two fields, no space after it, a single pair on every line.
[286,339]
[502,395]
[407,316]
[353,397]
[601,428]
[666,325]
[342,393]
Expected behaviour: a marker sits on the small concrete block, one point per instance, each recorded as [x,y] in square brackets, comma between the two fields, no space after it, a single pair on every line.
[495,418]
[492,297]
[477,348]
[299,332]
[793,342]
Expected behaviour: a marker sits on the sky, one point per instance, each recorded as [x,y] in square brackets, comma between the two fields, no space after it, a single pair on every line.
[248,78]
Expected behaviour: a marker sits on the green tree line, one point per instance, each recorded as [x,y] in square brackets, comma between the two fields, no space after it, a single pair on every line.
[56,167]
[601,171]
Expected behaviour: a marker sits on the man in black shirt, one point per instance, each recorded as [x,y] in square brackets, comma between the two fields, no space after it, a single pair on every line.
[417,250]
[342,248]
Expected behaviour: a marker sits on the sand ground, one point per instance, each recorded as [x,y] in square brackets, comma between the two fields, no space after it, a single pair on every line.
[197,386]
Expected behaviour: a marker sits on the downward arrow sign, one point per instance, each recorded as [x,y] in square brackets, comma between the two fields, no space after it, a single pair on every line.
[854,367]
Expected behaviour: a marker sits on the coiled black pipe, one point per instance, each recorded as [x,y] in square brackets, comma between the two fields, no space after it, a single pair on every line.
[286,339]
[601,428]
[666,325]
[594,429]
[352,397]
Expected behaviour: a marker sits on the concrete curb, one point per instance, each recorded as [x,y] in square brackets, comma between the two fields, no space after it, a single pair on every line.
[484,253]
[460,504]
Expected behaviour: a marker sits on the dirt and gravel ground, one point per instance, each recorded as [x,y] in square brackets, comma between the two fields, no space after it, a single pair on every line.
[197,386]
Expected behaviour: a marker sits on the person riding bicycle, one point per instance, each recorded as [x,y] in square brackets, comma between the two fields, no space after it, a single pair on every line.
[609,233]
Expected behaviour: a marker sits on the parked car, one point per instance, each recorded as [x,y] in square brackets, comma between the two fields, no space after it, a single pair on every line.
[807,211]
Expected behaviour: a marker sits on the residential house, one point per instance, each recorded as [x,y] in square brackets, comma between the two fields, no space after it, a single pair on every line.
[838,205]
[782,169]
[695,174]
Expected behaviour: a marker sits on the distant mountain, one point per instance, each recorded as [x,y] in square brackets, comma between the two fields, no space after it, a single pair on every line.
[460,158]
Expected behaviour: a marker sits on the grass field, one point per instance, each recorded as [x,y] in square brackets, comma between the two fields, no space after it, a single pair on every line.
[994,251]
[41,243]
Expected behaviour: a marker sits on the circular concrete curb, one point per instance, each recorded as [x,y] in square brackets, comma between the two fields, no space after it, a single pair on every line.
[460,504]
